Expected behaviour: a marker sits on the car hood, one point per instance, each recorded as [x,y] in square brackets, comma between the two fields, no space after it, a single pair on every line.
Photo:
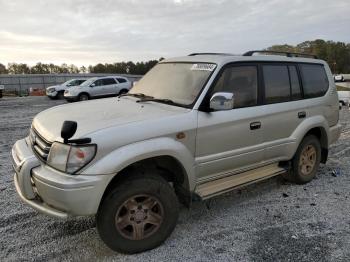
[96,115]
[57,86]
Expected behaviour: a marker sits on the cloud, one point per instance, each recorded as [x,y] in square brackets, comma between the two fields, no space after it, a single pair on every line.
[86,32]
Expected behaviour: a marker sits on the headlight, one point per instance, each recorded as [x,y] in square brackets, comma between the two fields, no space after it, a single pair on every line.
[70,158]
[51,90]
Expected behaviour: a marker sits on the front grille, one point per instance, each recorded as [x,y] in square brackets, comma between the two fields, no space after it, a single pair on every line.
[40,146]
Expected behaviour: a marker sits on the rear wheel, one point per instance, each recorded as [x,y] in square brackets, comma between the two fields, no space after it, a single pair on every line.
[305,161]
[123,91]
[138,215]
[83,97]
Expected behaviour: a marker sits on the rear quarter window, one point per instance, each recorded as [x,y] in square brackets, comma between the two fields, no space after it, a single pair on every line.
[315,80]
[121,80]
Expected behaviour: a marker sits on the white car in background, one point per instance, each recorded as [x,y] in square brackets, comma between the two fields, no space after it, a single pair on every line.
[339,78]
[98,87]
[57,91]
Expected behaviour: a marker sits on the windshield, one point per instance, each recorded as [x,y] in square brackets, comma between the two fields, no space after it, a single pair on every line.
[89,81]
[178,82]
[68,82]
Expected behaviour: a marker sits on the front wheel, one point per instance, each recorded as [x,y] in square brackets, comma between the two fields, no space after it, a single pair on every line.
[305,161]
[83,97]
[138,215]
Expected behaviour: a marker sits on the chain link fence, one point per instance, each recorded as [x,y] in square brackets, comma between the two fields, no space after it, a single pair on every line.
[20,84]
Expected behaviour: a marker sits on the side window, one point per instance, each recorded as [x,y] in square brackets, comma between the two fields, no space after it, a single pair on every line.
[315,81]
[80,82]
[277,87]
[121,80]
[242,81]
[294,83]
[98,82]
[108,81]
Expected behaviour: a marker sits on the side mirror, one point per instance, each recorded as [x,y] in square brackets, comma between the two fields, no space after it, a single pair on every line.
[222,101]
[92,85]
[68,130]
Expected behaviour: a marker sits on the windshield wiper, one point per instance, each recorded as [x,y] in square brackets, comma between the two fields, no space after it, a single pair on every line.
[139,95]
[160,100]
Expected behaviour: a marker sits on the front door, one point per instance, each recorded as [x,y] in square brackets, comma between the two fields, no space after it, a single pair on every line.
[230,141]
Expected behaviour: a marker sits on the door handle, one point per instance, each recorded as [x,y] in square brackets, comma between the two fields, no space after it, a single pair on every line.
[302,114]
[255,125]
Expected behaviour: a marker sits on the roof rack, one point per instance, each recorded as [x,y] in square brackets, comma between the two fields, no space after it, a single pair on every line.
[194,54]
[288,54]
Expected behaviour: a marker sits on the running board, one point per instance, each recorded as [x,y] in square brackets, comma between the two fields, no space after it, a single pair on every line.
[223,185]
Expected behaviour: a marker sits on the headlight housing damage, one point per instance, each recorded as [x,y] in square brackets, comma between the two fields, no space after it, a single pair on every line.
[70,158]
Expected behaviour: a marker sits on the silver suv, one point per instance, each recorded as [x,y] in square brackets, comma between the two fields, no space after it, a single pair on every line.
[192,128]
[98,87]
[57,91]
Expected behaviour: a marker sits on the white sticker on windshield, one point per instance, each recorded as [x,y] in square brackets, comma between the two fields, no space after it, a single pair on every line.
[203,67]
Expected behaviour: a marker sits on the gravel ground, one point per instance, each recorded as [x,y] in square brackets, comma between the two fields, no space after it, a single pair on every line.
[270,221]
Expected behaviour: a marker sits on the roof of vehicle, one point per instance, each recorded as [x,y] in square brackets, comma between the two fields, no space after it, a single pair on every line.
[101,77]
[221,59]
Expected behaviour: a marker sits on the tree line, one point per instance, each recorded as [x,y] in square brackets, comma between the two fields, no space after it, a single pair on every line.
[138,68]
[337,54]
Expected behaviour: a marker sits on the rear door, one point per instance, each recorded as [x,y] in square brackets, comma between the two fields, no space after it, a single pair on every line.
[283,108]
[110,86]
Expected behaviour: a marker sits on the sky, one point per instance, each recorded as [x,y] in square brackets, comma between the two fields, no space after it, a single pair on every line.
[92,31]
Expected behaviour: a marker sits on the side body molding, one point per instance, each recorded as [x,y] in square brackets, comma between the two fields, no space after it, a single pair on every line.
[124,156]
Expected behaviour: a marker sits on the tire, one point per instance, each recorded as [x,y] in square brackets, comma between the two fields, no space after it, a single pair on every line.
[117,203]
[83,97]
[123,91]
[60,95]
[304,168]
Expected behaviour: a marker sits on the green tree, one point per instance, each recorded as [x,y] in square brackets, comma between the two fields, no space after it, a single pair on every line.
[3,69]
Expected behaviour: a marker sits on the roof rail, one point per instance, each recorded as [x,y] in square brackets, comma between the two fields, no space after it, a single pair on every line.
[288,54]
[194,54]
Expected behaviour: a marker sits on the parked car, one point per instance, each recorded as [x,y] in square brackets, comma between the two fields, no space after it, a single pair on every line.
[55,92]
[98,87]
[339,78]
[2,88]
[192,128]
[344,98]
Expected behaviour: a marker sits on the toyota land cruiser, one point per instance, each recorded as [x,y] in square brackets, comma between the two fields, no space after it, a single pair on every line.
[192,128]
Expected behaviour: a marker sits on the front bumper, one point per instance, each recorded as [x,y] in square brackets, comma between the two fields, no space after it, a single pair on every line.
[51,94]
[53,192]
[70,97]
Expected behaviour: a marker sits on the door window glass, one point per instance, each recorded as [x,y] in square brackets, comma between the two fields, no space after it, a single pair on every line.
[242,81]
[294,83]
[277,87]
[108,81]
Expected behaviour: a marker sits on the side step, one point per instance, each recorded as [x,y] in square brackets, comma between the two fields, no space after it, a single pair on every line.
[222,185]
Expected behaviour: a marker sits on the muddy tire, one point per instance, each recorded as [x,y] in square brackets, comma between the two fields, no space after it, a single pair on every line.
[306,161]
[137,215]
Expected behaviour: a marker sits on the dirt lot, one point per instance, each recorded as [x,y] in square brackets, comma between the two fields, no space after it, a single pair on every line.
[270,221]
